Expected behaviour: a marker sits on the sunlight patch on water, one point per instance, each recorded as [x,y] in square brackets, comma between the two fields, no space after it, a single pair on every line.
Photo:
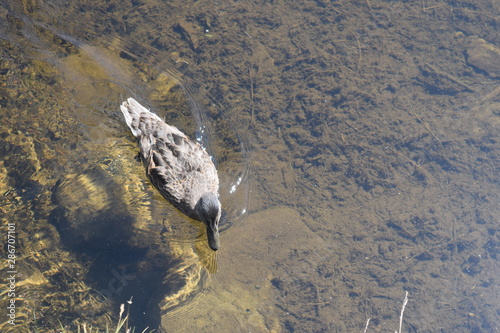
[235,185]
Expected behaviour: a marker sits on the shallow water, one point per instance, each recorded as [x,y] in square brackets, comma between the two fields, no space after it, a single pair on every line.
[356,142]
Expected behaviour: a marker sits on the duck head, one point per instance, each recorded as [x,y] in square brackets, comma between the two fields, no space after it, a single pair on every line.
[209,210]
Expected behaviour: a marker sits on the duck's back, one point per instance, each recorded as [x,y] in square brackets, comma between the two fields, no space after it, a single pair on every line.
[178,167]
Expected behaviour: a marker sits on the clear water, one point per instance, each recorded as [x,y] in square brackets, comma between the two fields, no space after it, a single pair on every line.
[356,142]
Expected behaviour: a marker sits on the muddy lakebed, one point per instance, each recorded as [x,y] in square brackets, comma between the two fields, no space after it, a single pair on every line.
[356,142]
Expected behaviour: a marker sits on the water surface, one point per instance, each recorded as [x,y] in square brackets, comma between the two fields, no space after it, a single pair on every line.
[357,145]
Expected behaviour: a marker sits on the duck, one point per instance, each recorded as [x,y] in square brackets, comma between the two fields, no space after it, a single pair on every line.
[179,168]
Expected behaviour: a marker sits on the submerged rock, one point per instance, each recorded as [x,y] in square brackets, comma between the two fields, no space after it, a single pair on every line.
[483,56]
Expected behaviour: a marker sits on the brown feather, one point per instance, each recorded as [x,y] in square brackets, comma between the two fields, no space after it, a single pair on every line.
[179,168]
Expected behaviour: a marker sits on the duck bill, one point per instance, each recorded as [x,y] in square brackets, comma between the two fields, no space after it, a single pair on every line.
[213,238]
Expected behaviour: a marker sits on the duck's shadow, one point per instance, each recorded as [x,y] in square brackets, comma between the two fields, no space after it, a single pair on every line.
[122,261]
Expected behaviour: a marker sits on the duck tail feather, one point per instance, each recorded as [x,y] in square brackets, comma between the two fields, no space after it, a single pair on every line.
[132,112]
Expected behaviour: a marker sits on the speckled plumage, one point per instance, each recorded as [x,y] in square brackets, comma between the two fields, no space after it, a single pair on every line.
[179,168]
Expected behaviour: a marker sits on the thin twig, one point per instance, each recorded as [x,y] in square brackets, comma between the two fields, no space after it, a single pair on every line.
[425,124]
[360,53]
[451,78]
[370,8]
[422,170]
[402,312]
[366,326]
[252,117]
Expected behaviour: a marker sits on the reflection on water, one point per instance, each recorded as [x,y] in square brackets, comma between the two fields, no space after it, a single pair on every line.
[374,138]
